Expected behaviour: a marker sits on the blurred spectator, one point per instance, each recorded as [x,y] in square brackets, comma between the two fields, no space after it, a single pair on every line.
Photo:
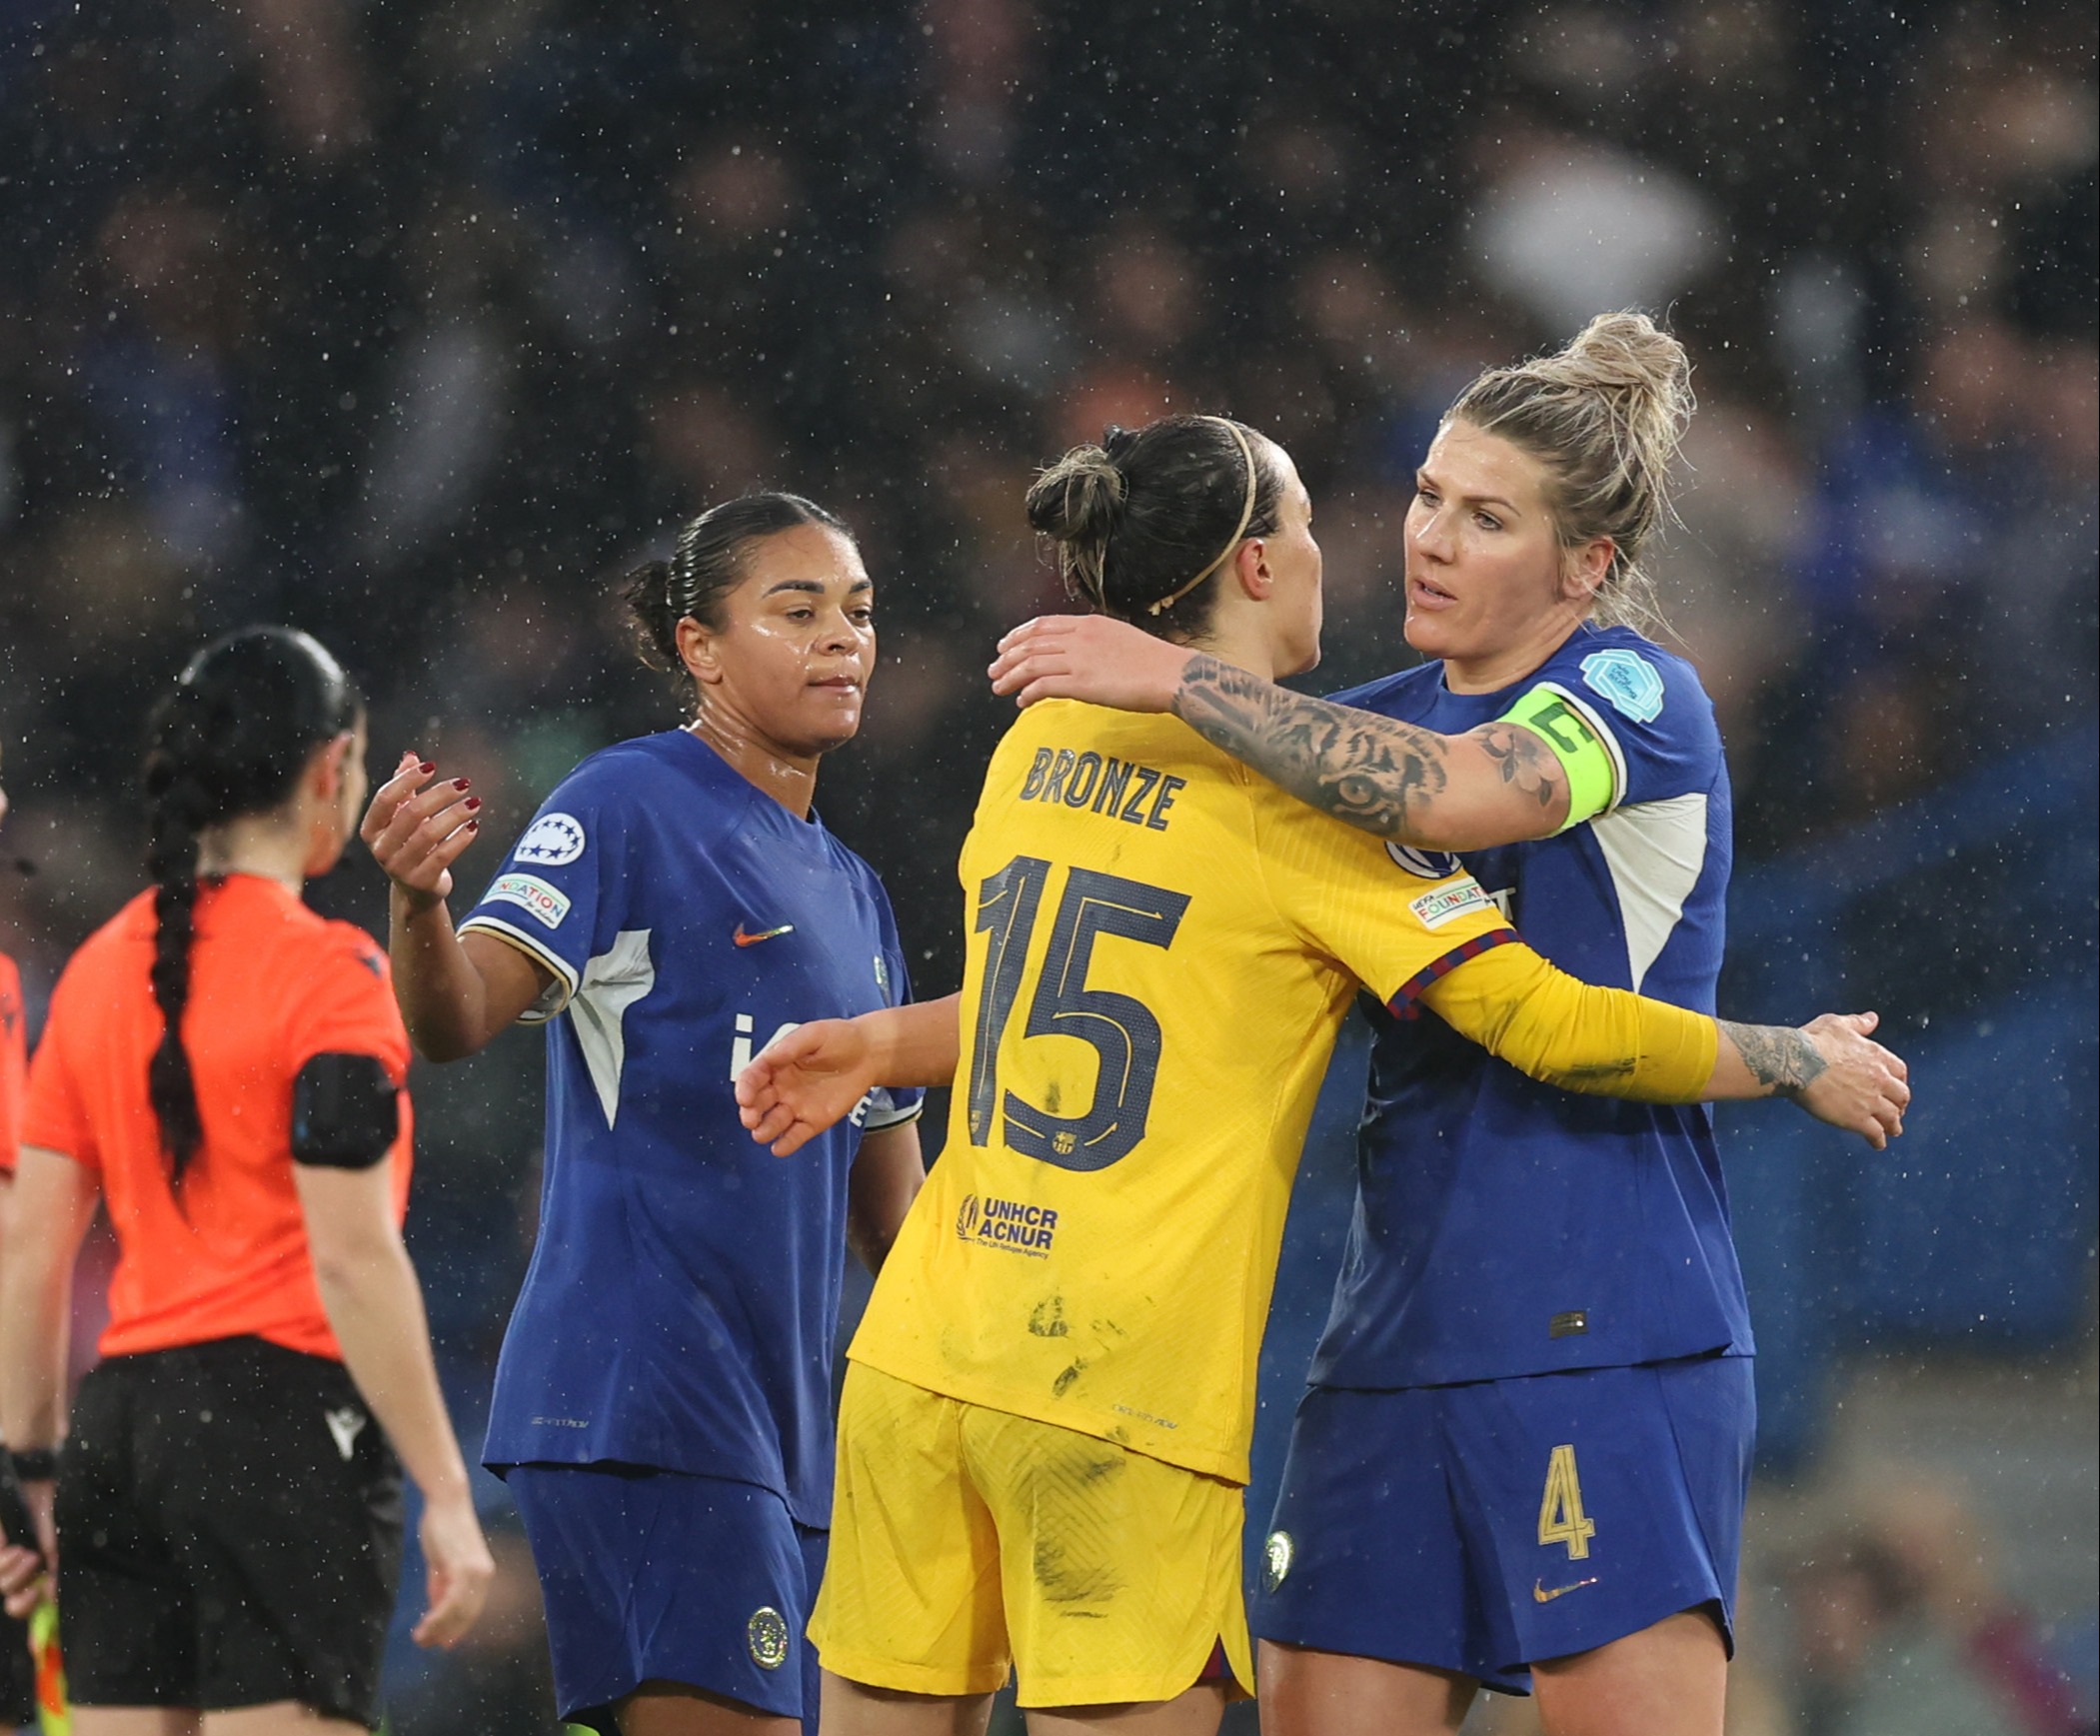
[1901,1628]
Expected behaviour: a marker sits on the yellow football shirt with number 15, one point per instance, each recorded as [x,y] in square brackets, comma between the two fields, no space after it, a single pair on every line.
[1163,946]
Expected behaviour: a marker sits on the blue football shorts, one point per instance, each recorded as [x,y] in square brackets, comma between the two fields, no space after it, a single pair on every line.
[1484,1527]
[652,1575]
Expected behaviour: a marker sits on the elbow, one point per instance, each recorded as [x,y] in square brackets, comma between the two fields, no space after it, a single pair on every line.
[441,1044]
[344,1269]
[871,1250]
[336,1274]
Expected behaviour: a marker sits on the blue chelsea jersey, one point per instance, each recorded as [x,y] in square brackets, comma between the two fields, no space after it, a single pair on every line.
[1504,1227]
[683,1297]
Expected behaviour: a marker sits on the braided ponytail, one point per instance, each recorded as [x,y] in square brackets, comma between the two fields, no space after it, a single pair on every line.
[174,805]
[230,739]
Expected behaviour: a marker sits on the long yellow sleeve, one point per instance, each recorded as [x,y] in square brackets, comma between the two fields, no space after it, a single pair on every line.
[1605,1042]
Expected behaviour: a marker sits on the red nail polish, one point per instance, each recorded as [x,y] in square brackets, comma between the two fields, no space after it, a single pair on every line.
[474,825]
[462,783]
[426,767]
[473,802]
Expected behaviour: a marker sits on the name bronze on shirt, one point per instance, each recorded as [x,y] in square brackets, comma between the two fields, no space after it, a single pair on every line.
[1103,783]
[1008,1225]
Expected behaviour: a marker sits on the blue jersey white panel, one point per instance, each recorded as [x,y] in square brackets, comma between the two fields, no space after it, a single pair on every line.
[681,1303]
[1504,1227]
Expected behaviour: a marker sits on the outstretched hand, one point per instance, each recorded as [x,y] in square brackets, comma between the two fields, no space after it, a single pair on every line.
[804,1083]
[1090,657]
[1862,1087]
[417,834]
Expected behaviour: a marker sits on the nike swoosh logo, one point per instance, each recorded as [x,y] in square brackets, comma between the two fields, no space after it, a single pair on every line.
[743,940]
[1539,1593]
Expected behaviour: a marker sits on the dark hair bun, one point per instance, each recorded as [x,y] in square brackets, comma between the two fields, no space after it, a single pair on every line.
[1079,498]
[1078,503]
[1143,520]
[647,594]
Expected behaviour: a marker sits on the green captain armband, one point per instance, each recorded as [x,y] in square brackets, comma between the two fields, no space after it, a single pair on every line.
[1582,741]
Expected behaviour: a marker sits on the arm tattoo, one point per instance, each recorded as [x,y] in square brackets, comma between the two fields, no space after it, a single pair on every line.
[1776,1055]
[1366,769]
[1524,761]
[1380,775]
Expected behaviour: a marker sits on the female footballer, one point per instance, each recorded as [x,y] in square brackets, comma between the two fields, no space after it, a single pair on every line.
[1045,1424]
[1526,1443]
[662,1400]
[222,1069]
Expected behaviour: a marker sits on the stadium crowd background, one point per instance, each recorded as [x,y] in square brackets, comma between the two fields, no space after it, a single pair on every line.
[413,324]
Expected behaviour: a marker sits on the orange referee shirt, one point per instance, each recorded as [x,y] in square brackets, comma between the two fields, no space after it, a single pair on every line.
[14,1039]
[272,984]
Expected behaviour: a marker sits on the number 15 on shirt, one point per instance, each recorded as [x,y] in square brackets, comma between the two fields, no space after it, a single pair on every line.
[1122,1029]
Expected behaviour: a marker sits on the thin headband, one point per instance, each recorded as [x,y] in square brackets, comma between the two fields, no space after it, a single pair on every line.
[1246,516]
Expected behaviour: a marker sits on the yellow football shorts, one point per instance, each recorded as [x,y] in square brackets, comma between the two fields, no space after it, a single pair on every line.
[965,1539]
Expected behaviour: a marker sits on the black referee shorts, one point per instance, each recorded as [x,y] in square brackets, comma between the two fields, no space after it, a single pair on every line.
[17,1675]
[229,1523]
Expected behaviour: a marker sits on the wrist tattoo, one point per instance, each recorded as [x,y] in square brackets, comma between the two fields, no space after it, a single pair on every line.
[1369,770]
[1777,1055]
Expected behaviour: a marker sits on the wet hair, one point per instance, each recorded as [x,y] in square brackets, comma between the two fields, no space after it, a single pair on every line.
[710,562]
[231,738]
[1146,519]
[1604,417]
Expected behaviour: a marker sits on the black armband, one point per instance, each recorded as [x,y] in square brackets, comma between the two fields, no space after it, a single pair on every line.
[345,1112]
[34,1464]
[16,1526]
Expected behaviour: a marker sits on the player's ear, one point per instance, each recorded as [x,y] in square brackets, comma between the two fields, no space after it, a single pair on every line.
[1250,568]
[1583,571]
[328,766]
[699,650]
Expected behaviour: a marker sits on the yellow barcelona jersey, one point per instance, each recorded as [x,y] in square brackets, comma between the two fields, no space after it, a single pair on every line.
[1162,949]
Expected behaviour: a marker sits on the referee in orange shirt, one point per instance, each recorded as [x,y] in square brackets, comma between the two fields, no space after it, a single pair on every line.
[222,1068]
[17,1679]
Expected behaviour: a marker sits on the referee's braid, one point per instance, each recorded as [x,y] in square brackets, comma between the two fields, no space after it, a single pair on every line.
[230,739]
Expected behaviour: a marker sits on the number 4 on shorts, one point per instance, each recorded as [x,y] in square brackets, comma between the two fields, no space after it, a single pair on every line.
[1560,1515]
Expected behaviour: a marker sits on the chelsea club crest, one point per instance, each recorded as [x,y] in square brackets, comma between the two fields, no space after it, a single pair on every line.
[1276,1559]
[767,1635]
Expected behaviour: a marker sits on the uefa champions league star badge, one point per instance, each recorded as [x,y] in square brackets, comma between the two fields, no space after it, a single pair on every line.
[767,1635]
[1276,1559]
[550,841]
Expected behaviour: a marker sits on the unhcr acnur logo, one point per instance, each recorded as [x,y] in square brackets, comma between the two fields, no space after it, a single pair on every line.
[1006,1223]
